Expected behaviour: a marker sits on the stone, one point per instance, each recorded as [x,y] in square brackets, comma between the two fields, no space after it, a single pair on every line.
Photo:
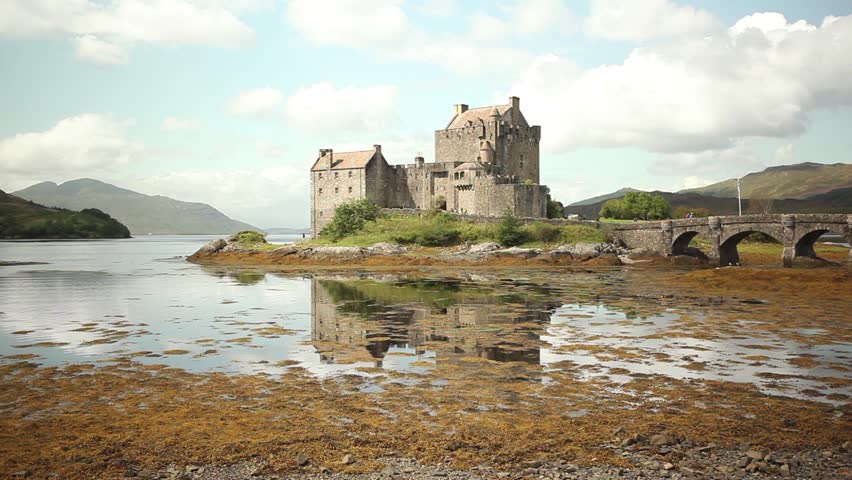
[348,459]
[212,247]
[755,454]
[285,250]
[659,439]
[343,252]
[784,470]
[518,252]
[617,431]
[388,471]
[483,248]
[192,468]
[743,462]
[846,446]
[384,248]
[668,466]
[302,460]
[21,474]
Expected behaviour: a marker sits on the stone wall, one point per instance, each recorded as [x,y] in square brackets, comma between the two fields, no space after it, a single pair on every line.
[330,188]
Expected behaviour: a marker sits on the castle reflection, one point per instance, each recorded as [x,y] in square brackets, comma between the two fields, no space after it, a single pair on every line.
[363,320]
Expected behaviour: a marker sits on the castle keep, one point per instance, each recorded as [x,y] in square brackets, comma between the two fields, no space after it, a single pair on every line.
[486,162]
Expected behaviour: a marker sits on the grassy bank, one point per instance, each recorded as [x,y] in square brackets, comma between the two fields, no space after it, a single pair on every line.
[442,229]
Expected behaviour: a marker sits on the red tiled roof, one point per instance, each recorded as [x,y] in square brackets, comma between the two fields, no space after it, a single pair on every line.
[346,160]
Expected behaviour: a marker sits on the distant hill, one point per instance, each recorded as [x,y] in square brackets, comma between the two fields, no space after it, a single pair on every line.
[141,213]
[286,231]
[799,181]
[602,198]
[20,218]
[835,201]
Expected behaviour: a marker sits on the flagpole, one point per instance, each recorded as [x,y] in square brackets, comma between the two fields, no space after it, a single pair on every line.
[739,197]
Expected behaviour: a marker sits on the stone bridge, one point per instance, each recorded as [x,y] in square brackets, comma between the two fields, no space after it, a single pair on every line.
[796,232]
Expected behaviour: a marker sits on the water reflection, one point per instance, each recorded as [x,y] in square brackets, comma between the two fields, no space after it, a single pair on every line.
[138,302]
[450,316]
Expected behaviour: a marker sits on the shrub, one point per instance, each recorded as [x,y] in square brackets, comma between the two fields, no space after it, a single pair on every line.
[637,205]
[350,218]
[249,237]
[509,231]
[436,229]
[440,203]
[543,232]
[680,212]
[555,209]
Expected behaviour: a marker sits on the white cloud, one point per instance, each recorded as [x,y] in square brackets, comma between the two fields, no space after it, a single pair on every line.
[256,102]
[94,50]
[348,22]
[695,94]
[324,106]
[640,20]
[102,28]
[78,144]
[436,8]
[173,124]
[694,182]
[784,155]
[383,28]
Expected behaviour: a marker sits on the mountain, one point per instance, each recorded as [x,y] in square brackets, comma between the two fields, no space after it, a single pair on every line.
[602,198]
[835,201]
[286,231]
[801,180]
[141,213]
[22,219]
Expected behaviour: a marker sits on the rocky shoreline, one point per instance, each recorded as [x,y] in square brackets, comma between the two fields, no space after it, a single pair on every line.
[655,457]
[231,252]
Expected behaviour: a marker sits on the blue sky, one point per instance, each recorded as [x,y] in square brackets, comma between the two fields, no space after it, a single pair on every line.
[227,101]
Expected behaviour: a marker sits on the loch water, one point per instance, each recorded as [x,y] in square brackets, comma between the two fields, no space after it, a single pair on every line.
[98,301]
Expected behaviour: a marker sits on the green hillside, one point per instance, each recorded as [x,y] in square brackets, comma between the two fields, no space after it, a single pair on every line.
[141,213]
[22,219]
[798,181]
[602,198]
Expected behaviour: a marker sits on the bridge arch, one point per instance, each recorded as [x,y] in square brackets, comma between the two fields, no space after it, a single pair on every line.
[807,238]
[728,253]
[680,244]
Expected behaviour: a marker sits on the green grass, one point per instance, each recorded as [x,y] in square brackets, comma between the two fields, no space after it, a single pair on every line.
[408,229]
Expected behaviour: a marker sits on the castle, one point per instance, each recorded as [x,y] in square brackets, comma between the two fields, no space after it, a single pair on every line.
[486,162]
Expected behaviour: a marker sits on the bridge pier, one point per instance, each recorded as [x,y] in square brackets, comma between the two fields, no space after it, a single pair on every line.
[715,224]
[788,224]
[666,237]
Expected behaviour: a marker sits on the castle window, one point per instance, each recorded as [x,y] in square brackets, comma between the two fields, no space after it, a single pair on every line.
[350,175]
[320,175]
[320,191]
[350,189]
[522,161]
[335,174]
[336,190]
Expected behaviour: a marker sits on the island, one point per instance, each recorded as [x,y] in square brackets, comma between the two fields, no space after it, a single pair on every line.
[22,219]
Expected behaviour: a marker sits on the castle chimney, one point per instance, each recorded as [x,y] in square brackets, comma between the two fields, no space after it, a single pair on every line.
[460,108]
[419,161]
[516,110]
[377,148]
[327,152]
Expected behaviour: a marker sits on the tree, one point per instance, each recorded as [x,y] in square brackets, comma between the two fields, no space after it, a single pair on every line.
[637,205]
[555,209]
[350,218]
[509,231]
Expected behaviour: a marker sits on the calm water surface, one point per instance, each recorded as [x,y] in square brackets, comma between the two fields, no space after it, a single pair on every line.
[95,301]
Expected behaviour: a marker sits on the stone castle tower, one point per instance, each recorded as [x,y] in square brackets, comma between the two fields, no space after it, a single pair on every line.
[486,162]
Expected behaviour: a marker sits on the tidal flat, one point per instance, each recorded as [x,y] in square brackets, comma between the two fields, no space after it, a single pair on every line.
[162,369]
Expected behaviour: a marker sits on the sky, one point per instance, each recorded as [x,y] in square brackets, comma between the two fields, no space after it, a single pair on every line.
[227,102]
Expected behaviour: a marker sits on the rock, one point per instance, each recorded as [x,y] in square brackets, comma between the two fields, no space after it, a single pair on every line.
[384,248]
[668,466]
[192,468]
[342,252]
[756,454]
[21,474]
[659,439]
[232,247]
[389,471]
[212,247]
[348,459]
[285,250]
[743,462]
[302,460]
[325,470]
[518,252]
[533,464]
[617,431]
[784,470]
[846,446]
[586,250]
[483,248]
